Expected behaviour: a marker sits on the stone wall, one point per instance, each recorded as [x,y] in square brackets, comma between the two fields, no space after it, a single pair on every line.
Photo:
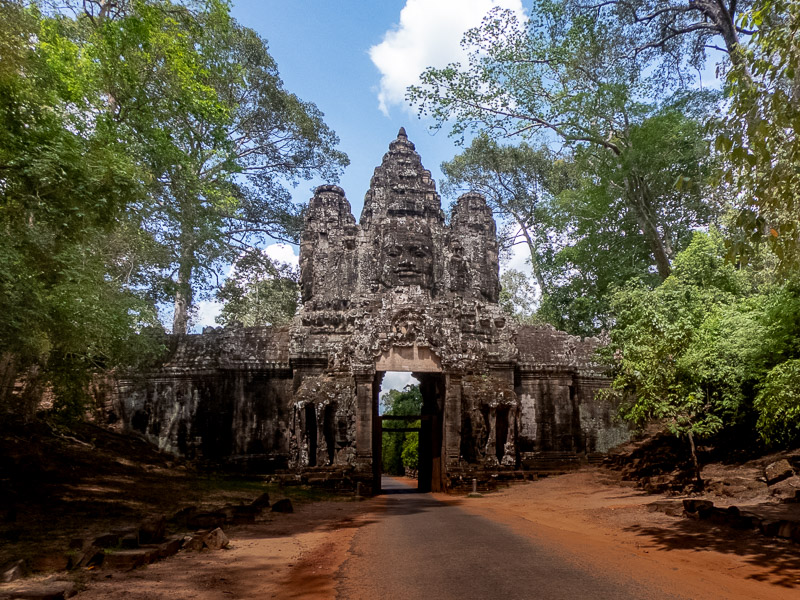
[402,289]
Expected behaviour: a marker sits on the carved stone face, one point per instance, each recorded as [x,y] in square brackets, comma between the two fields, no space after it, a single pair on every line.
[406,258]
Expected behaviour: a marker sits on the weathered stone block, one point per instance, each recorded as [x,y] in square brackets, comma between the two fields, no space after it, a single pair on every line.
[152,530]
[778,471]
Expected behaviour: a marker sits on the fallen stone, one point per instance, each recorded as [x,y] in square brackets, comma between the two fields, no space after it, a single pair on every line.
[743,520]
[106,540]
[194,543]
[283,506]
[125,560]
[45,590]
[721,516]
[786,528]
[129,541]
[90,557]
[216,540]
[50,562]
[778,471]
[673,508]
[261,502]
[152,530]
[170,547]
[769,527]
[786,490]
[12,571]
[701,509]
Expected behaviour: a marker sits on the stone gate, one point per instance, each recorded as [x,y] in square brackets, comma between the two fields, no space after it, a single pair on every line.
[399,290]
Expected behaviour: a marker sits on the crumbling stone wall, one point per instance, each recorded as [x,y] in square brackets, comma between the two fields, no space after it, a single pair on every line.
[401,289]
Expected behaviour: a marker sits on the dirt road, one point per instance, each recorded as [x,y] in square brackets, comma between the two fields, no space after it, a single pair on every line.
[424,547]
[574,536]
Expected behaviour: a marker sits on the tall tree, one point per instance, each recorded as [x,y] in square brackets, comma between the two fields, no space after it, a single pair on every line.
[66,180]
[220,135]
[259,292]
[759,133]
[568,77]
[518,182]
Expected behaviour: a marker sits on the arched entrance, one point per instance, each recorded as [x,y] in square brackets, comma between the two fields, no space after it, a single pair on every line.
[426,368]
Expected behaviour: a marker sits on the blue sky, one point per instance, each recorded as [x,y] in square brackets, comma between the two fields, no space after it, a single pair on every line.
[322,48]
[354,59]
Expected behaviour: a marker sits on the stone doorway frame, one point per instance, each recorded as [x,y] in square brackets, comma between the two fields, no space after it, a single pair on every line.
[445,445]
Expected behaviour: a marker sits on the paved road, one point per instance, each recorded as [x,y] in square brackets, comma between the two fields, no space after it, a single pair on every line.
[422,548]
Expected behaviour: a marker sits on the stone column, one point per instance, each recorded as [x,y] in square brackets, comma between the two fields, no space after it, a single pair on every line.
[452,420]
[364,424]
[529,396]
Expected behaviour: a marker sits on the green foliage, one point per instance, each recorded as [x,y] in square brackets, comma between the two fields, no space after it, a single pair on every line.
[518,296]
[634,182]
[665,345]
[259,293]
[758,134]
[693,350]
[143,144]
[401,449]
[410,454]
[778,404]
[66,182]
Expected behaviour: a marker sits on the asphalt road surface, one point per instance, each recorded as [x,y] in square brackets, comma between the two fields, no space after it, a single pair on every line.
[422,548]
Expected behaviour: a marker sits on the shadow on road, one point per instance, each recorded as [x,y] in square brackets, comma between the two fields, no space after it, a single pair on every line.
[778,560]
[396,491]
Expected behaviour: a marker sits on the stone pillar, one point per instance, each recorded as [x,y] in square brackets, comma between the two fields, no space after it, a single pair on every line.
[491,441]
[452,420]
[364,424]
[529,395]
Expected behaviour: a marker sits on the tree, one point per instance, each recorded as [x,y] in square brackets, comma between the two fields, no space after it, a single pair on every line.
[220,135]
[603,244]
[675,35]
[518,183]
[66,179]
[571,78]
[759,133]
[401,449]
[258,292]
[518,296]
[680,353]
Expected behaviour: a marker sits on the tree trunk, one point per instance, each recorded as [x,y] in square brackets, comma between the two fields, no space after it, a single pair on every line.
[183,298]
[535,266]
[719,14]
[8,377]
[695,462]
[639,202]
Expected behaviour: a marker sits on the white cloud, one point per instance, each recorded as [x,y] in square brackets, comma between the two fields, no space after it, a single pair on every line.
[395,380]
[207,311]
[429,34]
[520,260]
[282,252]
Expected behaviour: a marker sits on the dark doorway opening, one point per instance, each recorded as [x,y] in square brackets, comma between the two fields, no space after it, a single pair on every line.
[311,433]
[501,428]
[427,425]
[329,431]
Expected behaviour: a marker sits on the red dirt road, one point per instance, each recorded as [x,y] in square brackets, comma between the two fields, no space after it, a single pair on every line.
[573,528]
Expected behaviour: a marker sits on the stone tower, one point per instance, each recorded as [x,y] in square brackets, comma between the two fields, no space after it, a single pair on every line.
[401,290]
